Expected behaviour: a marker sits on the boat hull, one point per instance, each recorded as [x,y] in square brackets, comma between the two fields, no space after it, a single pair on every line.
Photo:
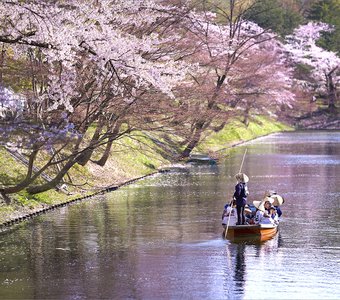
[261,232]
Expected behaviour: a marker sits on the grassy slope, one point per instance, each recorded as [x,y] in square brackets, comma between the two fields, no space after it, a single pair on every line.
[130,159]
[236,132]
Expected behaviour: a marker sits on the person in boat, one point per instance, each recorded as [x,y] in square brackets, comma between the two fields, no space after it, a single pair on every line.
[278,211]
[274,215]
[263,215]
[229,212]
[240,195]
[250,215]
[277,201]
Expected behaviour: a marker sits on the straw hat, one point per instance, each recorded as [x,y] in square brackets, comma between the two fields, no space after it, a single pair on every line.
[260,204]
[277,200]
[241,177]
[247,210]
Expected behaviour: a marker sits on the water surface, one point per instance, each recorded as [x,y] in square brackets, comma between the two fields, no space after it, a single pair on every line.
[161,238]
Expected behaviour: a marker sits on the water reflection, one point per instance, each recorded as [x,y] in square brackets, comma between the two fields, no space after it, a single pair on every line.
[244,256]
[161,238]
[240,267]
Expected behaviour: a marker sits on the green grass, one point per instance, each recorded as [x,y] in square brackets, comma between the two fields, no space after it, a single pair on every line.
[10,170]
[236,132]
[132,157]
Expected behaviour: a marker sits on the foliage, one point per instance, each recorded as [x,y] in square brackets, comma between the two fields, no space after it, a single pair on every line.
[98,66]
[275,15]
[328,12]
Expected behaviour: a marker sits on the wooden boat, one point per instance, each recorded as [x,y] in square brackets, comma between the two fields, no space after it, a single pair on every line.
[263,231]
[201,159]
[260,232]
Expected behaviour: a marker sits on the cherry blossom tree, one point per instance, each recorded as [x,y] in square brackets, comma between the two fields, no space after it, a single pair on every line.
[223,43]
[95,71]
[262,82]
[301,46]
[90,64]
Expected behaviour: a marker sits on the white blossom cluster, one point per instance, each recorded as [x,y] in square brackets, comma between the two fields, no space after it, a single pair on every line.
[102,29]
[302,47]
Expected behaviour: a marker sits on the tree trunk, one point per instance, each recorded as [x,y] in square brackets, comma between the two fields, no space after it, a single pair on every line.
[332,93]
[202,124]
[193,142]
[102,161]
[2,60]
[84,158]
[115,131]
[246,117]
[28,179]
[55,181]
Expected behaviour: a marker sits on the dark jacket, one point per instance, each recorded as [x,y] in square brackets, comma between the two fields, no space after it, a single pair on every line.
[240,194]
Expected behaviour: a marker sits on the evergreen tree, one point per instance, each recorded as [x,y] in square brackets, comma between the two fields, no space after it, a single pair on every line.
[328,11]
[275,15]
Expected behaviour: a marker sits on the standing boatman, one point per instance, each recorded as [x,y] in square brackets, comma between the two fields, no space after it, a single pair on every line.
[240,195]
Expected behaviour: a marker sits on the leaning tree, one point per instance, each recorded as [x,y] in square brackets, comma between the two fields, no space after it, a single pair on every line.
[91,76]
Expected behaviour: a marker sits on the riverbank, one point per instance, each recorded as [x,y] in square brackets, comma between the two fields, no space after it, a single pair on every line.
[131,161]
[321,118]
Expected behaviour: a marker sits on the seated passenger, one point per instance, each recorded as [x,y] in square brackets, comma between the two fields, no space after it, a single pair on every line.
[250,216]
[277,202]
[278,211]
[262,215]
[274,215]
[229,211]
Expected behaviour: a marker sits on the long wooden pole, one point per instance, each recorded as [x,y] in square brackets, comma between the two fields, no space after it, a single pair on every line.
[231,202]
[244,155]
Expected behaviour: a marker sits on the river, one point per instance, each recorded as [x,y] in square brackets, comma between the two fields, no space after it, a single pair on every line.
[161,238]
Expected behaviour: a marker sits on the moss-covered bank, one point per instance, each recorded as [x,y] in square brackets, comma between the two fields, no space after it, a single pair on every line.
[132,158]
